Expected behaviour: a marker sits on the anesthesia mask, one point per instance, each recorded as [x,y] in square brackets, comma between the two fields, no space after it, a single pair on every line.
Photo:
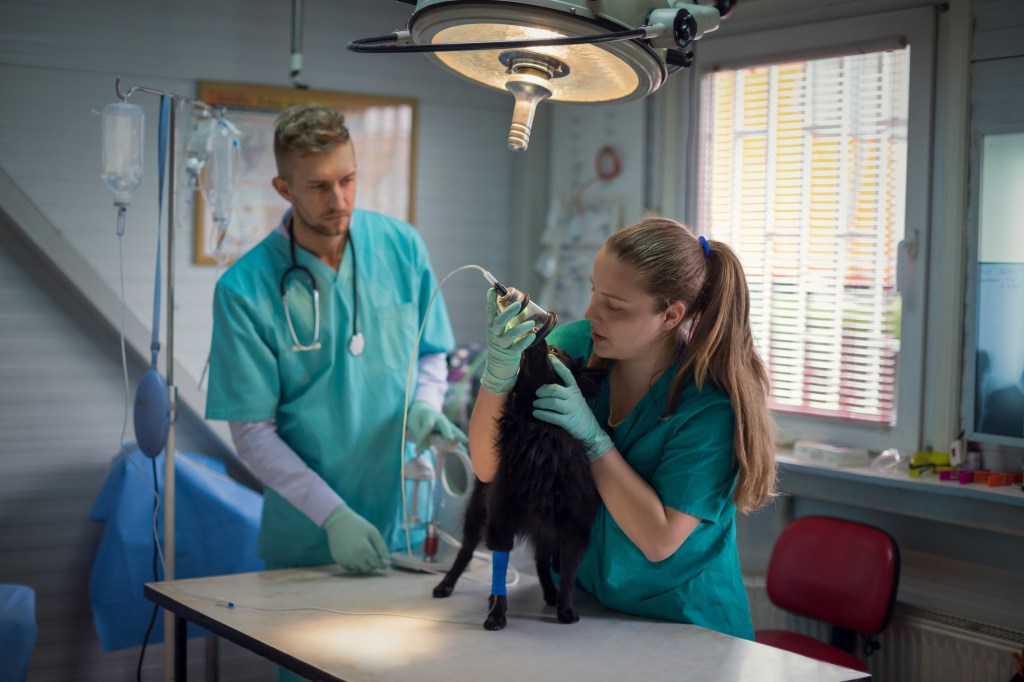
[543,321]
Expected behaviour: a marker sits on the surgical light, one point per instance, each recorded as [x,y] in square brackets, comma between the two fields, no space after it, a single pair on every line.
[579,51]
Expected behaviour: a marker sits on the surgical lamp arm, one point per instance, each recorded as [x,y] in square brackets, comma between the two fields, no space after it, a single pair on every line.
[389,43]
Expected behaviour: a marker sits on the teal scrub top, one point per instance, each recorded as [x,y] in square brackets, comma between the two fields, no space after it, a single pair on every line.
[688,460]
[340,413]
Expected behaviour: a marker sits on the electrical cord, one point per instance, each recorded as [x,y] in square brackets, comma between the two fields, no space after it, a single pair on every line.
[384,44]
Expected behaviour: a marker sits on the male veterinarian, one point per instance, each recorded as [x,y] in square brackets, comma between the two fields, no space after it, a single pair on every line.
[313,332]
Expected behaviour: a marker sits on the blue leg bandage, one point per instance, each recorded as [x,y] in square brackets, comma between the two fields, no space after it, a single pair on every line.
[499,567]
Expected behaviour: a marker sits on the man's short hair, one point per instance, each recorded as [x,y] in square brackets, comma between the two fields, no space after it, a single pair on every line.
[308,129]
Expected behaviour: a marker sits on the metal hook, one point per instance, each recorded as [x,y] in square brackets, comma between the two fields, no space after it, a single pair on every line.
[117,89]
[177,98]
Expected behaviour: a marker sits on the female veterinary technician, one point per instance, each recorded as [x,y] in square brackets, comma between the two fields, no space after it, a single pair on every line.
[680,435]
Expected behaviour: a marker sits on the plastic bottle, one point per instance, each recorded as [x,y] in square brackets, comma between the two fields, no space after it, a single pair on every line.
[122,138]
[218,185]
[198,129]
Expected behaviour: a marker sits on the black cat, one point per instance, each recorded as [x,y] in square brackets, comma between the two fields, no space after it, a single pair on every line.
[543,490]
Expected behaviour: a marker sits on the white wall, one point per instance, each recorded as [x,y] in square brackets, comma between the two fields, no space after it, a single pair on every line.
[585,206]
[58,67]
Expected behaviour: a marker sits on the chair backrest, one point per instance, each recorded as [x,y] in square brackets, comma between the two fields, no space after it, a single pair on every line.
[840,572]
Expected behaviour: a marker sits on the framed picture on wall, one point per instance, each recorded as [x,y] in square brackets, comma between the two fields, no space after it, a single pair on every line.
[383,130]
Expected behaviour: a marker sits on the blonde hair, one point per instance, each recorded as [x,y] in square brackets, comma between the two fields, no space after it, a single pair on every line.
[717,343]
[308,129]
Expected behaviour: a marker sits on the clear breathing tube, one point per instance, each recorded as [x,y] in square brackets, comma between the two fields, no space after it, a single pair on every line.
[502,291]
[408,381]
[487,275]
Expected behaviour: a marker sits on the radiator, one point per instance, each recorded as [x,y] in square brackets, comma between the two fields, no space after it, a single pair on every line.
[918,646]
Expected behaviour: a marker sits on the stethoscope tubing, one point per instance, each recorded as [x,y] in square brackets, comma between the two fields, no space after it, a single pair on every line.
[356,343]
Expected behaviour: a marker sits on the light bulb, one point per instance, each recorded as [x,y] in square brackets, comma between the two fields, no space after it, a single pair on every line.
[529,81]
[529,91]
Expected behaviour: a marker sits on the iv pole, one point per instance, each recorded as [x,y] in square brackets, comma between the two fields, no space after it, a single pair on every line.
[174,627]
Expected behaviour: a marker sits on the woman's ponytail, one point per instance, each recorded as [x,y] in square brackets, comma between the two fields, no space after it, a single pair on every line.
[715,340]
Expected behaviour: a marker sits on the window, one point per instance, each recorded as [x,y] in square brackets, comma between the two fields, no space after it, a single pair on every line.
[813,165]
[804,176]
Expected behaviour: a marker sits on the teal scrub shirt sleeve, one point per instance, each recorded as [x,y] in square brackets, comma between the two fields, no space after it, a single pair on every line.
[244,385]
[697,474]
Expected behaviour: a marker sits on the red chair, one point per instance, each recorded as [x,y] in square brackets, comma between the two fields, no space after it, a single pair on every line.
[839,572]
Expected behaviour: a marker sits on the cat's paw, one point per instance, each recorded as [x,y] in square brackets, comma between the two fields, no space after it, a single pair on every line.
[568,616]
[496,618]
[442,591]
[494,623]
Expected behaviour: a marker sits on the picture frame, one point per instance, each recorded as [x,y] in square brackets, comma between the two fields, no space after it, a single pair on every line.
[383,129]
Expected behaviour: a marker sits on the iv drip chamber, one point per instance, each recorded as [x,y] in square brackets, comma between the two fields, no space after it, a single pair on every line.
[198,130]
[219,176]
[122,145]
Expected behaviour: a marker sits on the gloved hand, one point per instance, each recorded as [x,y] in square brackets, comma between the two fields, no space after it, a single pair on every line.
[356,545]
[504,346]
[425,421]
[565,406]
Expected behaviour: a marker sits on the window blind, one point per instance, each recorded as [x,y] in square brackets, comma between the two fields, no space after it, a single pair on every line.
[803,173]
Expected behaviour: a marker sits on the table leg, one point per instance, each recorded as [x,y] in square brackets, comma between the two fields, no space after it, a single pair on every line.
[180,650]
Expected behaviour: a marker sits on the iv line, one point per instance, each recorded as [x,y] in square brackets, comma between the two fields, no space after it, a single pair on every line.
[123,451]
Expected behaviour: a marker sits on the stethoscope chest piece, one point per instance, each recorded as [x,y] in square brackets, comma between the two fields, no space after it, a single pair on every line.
[356,344]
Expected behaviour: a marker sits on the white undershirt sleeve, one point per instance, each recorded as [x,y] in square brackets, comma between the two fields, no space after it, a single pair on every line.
[282,470]
[432,383]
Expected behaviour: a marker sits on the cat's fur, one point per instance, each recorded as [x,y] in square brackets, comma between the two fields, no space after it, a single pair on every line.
[543,490]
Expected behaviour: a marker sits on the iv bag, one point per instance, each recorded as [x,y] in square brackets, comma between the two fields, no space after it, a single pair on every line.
[122,133]
[218,183]
[199,127]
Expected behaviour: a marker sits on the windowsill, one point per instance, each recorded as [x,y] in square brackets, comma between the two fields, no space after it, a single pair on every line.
[1006,494]
[973,505]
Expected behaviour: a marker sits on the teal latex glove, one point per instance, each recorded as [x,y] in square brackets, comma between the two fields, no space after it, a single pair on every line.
[425,421]
[504,346]
[355,543]
[565,406]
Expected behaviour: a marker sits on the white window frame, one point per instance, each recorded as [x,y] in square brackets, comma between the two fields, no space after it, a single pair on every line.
[916,27]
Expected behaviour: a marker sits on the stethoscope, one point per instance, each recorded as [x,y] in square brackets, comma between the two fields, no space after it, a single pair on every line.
[356,344]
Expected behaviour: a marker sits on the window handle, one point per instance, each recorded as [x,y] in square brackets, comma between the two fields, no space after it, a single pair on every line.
[906,251]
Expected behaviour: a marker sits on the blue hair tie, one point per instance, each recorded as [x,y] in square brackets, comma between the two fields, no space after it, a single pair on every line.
[704,244]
